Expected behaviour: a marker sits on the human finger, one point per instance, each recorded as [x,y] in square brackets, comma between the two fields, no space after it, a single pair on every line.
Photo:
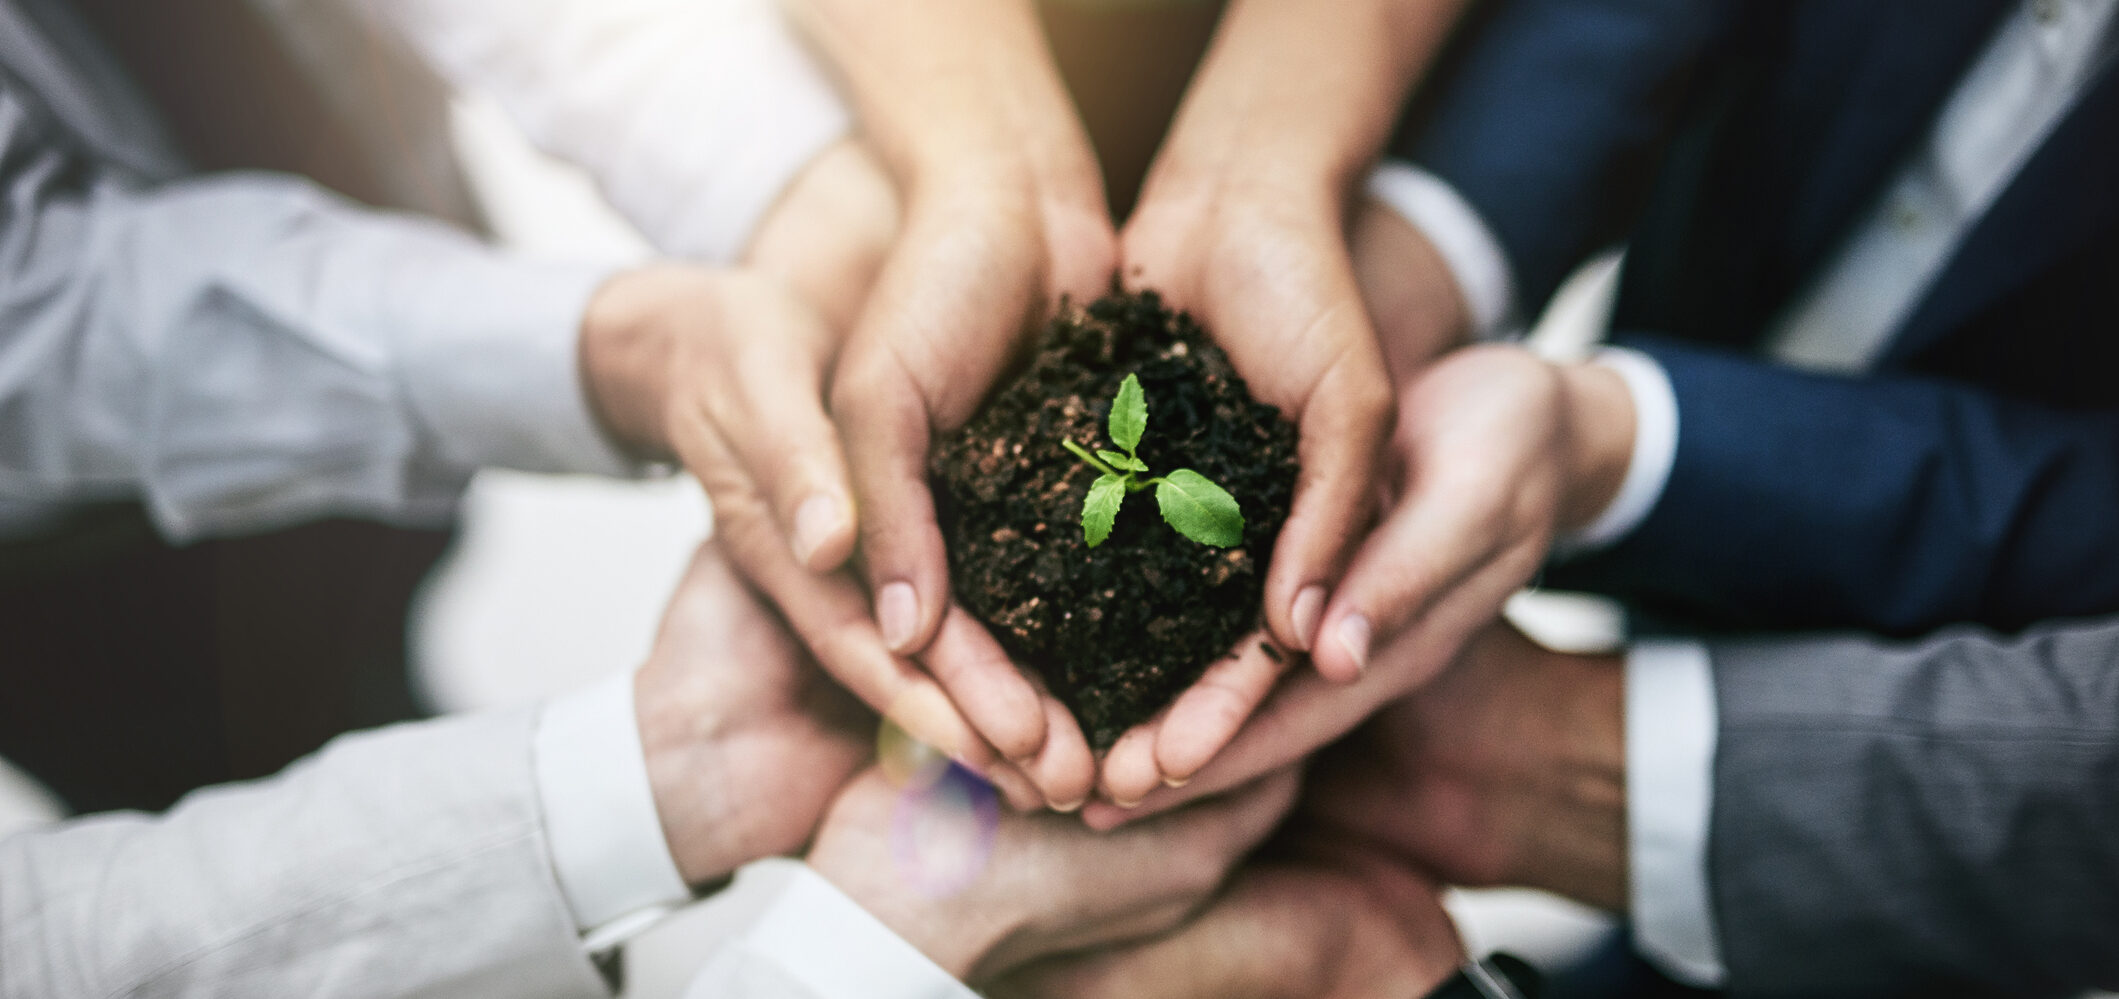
[1210,712]
[1129,770]
[1064,769]
[830,614]
[1343,428]
[997,698]
[948,313]
[1428,544]
[768,409]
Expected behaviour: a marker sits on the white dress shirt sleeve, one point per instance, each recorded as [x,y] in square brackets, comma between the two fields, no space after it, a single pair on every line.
[1655,448]
[692,115]
[815,943]
[1670,736]
[246,351]
[404,861]
[608,850]
[1454,227]
[614,869]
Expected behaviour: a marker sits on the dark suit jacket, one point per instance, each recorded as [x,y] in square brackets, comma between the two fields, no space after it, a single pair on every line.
[1974,475]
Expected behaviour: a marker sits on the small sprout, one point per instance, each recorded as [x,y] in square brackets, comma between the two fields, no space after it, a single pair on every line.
[1189,501]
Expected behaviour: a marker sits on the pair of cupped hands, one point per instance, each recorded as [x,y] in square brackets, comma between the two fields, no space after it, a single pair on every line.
[882,298]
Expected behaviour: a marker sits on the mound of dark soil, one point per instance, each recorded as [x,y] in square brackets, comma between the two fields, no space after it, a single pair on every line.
[1120,629]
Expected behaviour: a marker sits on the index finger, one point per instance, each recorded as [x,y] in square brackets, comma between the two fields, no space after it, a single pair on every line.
[1181,739]
[830,614]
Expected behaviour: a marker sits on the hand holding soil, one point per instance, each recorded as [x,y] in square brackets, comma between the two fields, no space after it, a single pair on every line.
[1117,618]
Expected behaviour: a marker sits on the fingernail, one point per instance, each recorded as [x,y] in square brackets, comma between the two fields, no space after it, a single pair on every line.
[897,612]
[1173,783]
[816,520]
[1354,635]
[1018,792]
[1069,806]
[1307,610]
[1123,803]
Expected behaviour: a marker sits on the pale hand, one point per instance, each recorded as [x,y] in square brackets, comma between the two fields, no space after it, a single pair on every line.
[1508,769]
[1049,886]
[746,742]
[1496,451]
[1348,924]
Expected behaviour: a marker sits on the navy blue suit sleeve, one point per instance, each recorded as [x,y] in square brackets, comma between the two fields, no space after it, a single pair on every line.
[1544,111]
[1893,503]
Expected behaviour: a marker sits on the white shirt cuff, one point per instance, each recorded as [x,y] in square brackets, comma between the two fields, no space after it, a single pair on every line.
[1457,232]
[815,943]
[1655,447]
[490,359]
[608,852]
[1670,737]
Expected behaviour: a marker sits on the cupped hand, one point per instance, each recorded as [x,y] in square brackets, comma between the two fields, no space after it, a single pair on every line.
[1496,450]
[1267,271]
[1004,215]
[977,269]
[1049,886]
[746,741]
[725,370]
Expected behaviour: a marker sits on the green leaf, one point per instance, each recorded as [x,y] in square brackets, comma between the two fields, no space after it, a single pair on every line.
[1100,510]
[1129,414]
[1123,462]
[1199,509]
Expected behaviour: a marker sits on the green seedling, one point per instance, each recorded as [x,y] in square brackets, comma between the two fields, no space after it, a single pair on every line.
[1190,502]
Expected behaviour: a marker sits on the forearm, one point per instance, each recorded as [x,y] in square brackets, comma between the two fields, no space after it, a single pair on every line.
[365,870]
[942,86]
[1296,93]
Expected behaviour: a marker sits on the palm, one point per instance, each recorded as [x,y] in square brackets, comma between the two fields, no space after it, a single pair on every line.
[1310,929]
[726,692]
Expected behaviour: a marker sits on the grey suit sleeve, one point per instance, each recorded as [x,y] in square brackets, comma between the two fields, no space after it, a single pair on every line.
[1939,818]
[240,351]
[405,861]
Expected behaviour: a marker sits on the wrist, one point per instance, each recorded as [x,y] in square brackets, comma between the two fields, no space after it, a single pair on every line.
[626,351]
[1225,165]
[1599,419]
[1038,166]
[949,930]
[702,818]
[944,84]
[1412,293]
[1570,837]
[1320,128]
